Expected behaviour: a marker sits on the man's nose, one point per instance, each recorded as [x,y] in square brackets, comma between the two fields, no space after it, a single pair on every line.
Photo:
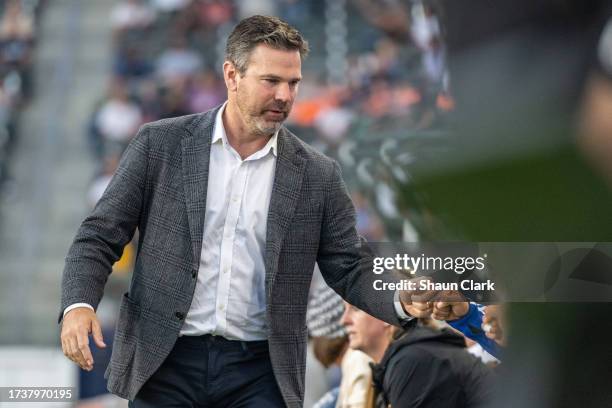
[283,92]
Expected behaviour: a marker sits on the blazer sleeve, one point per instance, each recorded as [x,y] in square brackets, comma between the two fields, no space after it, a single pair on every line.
[102,236]
[346,260]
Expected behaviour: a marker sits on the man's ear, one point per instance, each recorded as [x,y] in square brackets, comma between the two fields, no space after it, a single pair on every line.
[230,74]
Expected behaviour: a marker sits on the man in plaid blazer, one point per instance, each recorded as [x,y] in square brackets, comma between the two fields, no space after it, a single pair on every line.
[196,187]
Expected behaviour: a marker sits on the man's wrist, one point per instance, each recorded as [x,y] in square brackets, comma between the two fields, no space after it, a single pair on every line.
[76,305]
[399,309]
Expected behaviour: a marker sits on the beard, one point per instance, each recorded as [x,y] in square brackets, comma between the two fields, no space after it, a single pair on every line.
[265,120]
[266,127]
[269,120]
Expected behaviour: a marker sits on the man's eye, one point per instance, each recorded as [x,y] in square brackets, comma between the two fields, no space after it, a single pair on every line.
[271,80]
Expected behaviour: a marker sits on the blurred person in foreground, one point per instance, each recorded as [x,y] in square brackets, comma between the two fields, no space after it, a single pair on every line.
[418,366]
[233,211]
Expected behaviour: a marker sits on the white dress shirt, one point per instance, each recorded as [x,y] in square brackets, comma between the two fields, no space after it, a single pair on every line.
[229,298]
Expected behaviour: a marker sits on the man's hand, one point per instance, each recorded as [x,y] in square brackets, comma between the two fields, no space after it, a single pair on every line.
[418,303]
[450,305]
[76,327]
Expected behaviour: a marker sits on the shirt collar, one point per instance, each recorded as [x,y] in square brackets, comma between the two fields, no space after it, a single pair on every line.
[219,135]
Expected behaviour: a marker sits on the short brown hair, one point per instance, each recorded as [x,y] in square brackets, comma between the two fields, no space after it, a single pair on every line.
[328,350]
[256,30]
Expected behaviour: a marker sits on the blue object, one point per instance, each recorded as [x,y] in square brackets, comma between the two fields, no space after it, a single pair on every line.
[471,326]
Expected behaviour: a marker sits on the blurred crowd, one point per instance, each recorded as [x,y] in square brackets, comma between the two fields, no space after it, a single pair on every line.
[18,21]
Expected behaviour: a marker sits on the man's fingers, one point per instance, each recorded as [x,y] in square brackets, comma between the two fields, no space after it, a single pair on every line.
[405,297]
[413,311]
[422,306]
[423,296]
[441,310]
[408,296]
[66,348]
[96,331]
[442,305]
[73,347]
[449,296]
[441,314]
[83,345]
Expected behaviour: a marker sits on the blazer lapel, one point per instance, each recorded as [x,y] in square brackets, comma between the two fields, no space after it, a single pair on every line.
[288,176]
[195,160]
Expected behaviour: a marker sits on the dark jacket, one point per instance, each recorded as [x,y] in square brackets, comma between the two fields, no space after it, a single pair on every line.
[426,369]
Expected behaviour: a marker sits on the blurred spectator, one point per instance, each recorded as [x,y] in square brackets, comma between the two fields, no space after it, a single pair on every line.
[173,102]
[333,124]
[15,24]
[421,367]
[331,348]
[131,63]
[388,15]
[179,61]
[118,118]
[17,38]
[214,13]
[131,14]
[425,26]
[168,6]
[245,8]
[205,92]
[368,224]
[132,22]
[596,111]
[201,20]
[16,41]
[149,100]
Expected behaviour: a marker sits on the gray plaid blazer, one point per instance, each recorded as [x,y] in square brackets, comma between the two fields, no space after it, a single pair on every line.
[160,188]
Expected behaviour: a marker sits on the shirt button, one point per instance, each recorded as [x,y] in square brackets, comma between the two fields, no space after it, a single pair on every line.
[179,315]
[234,199]
[222,307]
[226,270]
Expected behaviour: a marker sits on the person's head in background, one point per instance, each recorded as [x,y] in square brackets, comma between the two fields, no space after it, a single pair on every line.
[329,337]
[367,333]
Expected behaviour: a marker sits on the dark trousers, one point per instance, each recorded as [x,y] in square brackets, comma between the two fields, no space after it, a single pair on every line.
[210,372]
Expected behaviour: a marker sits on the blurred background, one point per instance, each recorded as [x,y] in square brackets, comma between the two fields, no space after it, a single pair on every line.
[452,120]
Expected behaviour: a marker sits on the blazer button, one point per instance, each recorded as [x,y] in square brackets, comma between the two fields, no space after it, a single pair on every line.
[179,315]
[194,274]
